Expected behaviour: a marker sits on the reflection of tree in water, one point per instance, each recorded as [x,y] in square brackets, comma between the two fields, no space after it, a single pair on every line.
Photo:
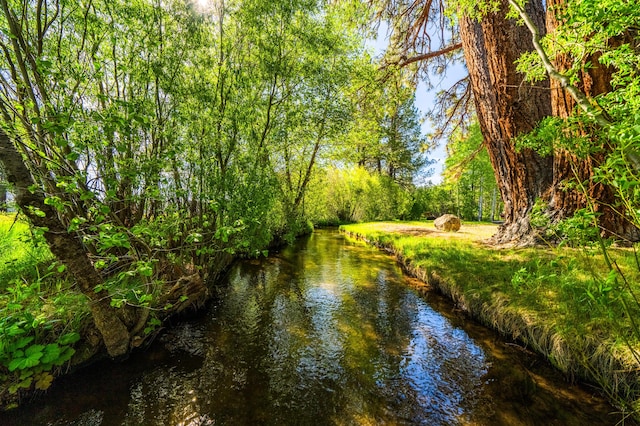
[325,333]
[166,396]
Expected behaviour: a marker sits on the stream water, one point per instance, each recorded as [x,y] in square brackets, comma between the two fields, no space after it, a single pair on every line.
[328,332]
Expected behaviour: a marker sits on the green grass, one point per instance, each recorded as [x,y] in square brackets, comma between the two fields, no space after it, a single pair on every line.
[562,302]
[19,256]
[40,313]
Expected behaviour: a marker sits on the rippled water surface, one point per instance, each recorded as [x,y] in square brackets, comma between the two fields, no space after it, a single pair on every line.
[327,332]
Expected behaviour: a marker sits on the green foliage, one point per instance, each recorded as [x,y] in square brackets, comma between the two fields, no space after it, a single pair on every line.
[39,316]
[161,162]
[376,156]
[473,9]
[152,325]
[355,195]
[531,66]
[432,201]
[32,363]
[385,135]
[168,139]
[605,32]
[19,256]
[577,230]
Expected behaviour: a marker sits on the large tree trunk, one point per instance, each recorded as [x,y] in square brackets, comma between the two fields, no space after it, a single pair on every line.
[567,167]
[506,107]
[65,246]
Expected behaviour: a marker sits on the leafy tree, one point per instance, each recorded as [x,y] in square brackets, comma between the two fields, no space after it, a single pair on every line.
[431,201]
[150,141]
[493,41]
[402,141]
[355,194]
[317,113]
[504,105]
[591,77]
[386,132]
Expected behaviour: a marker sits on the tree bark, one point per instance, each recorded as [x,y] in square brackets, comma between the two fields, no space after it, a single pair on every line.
[65,246]
[506,107]
[567,167]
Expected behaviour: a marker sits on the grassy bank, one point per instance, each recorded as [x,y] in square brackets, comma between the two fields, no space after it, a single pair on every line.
[46,327]
[561,302]
[40,317]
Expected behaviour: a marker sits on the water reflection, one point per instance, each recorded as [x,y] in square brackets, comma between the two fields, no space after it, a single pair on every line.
[326,332]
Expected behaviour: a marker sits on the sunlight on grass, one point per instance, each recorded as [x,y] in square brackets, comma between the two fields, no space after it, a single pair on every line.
[19,256]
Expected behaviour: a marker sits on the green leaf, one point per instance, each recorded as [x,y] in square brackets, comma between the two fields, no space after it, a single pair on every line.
[16,330]
[69,338]
[27,362]
[145,270]
[15,364]
[34,350]
[72,156]
[22,342]
[26,373]
[51,352]
[65,356]
[26,383]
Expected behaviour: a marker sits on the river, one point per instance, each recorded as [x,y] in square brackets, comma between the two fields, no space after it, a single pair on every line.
[327,332]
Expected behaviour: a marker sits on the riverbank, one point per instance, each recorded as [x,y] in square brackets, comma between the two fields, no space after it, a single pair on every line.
[46,327]
[559,302]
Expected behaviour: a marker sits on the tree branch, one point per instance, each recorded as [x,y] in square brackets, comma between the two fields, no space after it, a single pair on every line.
[580,98]
[403,62]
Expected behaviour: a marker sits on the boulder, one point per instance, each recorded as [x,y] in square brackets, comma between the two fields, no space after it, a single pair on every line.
[447,222]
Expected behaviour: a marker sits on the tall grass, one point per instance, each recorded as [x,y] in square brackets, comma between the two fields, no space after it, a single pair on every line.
[561,302]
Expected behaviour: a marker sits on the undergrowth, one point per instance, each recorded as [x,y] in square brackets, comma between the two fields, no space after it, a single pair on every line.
[40,316]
